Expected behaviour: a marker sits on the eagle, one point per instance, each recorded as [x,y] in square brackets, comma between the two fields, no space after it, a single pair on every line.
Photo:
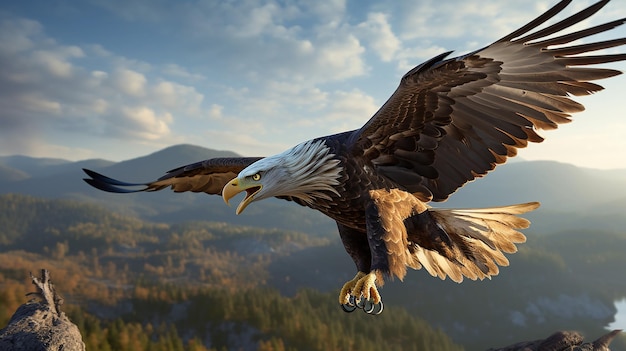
[450,121]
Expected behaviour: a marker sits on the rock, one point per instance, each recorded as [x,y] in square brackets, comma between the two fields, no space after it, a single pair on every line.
[41,325]
[563,341]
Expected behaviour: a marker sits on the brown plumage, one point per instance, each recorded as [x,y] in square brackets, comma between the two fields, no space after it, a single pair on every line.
[449,121]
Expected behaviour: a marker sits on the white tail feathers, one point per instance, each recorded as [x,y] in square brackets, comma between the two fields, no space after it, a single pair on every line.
[479,238]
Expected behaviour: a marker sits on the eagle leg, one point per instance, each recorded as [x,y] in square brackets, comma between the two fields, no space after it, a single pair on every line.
[361,292]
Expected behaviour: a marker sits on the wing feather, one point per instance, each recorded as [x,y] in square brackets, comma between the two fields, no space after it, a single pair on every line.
[454,119]
[207,176]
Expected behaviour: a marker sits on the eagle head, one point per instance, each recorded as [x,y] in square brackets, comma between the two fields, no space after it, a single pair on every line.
[307,171]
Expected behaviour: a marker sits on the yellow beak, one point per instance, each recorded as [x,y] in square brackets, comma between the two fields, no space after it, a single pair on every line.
[235,187]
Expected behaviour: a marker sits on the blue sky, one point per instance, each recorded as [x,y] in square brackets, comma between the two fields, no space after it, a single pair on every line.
[119,79]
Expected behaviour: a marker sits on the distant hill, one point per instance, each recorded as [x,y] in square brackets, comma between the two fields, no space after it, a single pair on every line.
[148,167]
[31,165]
[558,186]
[9,174]
[570,195]
[52,178]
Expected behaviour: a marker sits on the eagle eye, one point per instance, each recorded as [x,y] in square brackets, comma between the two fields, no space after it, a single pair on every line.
[256,177]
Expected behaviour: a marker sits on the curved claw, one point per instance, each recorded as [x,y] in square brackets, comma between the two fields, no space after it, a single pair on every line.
[351,300]
[348,308]
[374,308]
[368,307]
[361,292]
[361,302]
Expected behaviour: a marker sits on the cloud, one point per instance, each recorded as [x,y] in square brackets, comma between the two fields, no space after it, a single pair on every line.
[349,110]
[55,63]
[179,72]
[16,33]
[129,82]
[46,88]
[143,122]
[377,31]
[267,39]
[251,76]
[40,105]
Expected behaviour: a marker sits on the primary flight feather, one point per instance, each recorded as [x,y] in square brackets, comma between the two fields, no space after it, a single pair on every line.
[449,121]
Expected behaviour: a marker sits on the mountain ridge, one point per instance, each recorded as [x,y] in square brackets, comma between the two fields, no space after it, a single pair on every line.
[563,190]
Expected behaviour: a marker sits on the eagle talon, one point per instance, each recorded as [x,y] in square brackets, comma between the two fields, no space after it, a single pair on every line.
[346,294]
[373,308]
[368,306]
[360,302]
[348,308]
[352,300]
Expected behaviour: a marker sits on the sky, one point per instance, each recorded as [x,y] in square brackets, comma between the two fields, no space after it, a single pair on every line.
[117,79]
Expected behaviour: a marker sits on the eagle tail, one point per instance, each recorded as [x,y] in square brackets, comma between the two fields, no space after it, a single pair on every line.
[472,242]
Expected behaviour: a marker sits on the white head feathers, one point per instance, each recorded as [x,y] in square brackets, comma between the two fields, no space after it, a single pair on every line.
[306,171]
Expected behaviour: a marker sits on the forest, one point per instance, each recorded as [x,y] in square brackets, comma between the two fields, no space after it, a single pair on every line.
[130,284]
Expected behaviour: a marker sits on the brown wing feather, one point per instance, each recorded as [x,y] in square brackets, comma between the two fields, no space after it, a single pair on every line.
[452,120]
[207,176]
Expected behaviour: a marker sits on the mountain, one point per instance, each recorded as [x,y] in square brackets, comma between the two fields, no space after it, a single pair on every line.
[558,186]
[156,164]
[60,178]
[31,165]
[51,178]
[9,174]
[570,195]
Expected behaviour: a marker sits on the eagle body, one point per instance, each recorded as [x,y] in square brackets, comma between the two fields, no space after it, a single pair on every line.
[450,121]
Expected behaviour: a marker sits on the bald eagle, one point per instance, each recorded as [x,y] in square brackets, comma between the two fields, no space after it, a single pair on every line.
[450,121]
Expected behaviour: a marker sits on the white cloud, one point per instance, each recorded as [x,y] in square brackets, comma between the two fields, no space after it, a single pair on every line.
[341,56]
[16,33]
[53,64]
[252,76]
[40,105]
[144,122]
[130,82]
[171,95]
[431,19]
[349,110]
[377,31]
[46,89]
[266,40]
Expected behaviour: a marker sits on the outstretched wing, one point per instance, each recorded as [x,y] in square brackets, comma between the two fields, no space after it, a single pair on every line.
[452,120]
[207,176]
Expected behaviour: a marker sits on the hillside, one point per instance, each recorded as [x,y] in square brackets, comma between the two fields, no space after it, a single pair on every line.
[135,285]
[130,271]
[558,282]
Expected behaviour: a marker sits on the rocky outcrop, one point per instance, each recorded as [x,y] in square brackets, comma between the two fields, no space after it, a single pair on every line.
[40,324]
[564,341]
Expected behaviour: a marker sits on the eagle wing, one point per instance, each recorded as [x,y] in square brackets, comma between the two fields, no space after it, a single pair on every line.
[207,176]
[452,120]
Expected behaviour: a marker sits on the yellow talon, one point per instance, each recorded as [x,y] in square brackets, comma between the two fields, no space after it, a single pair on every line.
[362,284]
[348,288]
[366,286]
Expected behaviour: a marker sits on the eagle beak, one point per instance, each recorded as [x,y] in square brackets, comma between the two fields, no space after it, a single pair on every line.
[235,187]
